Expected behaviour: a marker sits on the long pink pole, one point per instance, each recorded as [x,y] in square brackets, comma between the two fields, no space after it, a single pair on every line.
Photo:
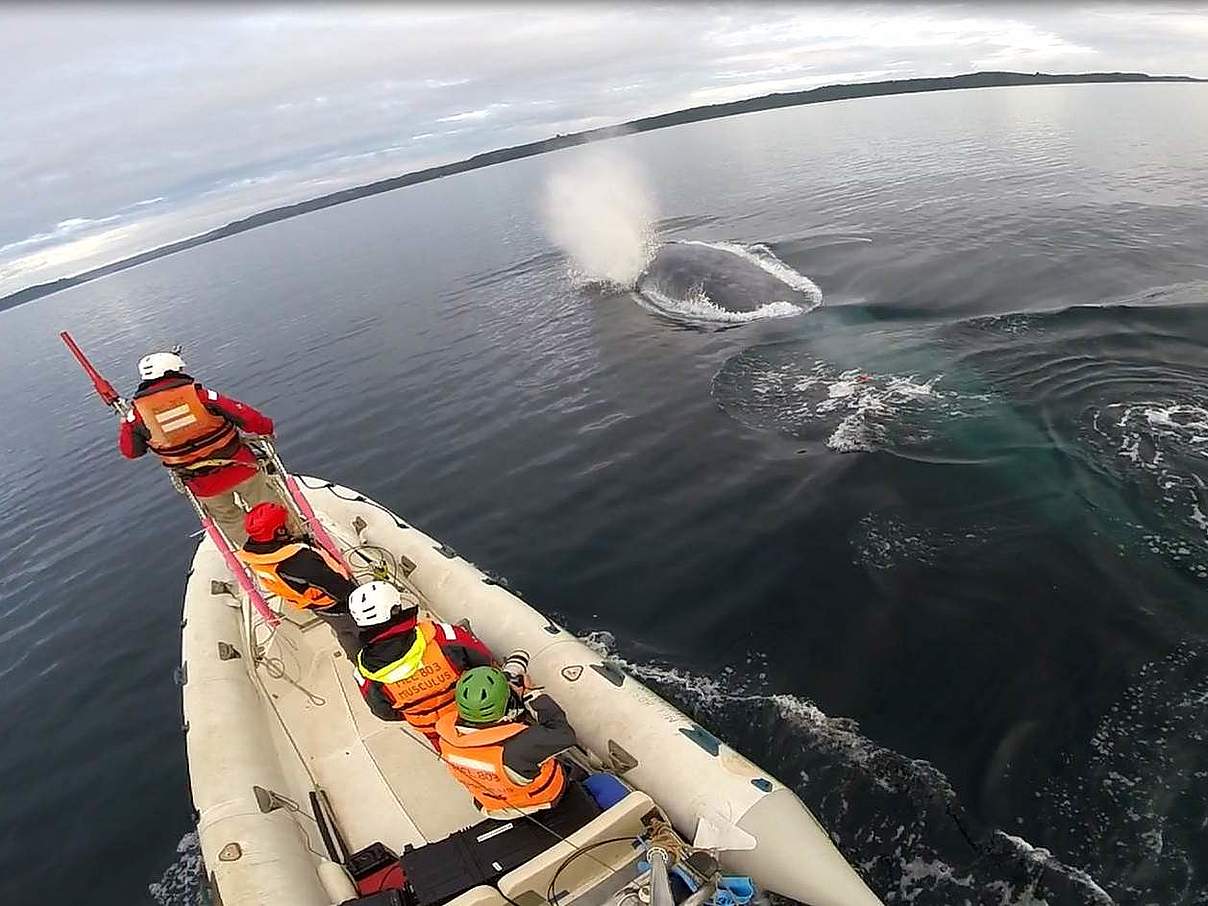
[232,563]
[308,513]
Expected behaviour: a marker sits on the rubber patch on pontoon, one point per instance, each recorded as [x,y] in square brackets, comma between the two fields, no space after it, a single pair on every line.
[703,738]
[610,672]
[622,761]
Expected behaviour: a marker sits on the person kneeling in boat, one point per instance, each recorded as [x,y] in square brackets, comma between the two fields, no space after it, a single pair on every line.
[502,744]
[196,433]
[291,568]
[408,667]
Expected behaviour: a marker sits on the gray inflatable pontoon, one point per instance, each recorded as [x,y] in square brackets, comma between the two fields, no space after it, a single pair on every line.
[290,771]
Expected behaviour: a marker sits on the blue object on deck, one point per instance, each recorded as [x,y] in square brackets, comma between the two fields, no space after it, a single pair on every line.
[606,789]
[733,890]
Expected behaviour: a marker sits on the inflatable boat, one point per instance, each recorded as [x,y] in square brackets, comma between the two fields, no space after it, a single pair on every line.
[304,798]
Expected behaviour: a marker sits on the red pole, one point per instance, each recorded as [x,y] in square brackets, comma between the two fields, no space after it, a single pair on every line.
[111,398]
[103,388]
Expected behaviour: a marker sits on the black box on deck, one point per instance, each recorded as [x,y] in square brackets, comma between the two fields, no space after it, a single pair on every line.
[484,853]
[385,898]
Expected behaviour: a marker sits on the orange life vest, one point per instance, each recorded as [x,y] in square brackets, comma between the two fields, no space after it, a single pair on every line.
[183,431]
[420,684]
[475,758]
[265,568]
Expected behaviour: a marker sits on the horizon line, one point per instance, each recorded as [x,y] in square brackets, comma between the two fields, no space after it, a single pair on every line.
[700,113]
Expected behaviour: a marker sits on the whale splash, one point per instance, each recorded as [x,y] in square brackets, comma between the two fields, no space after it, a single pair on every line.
[599,210]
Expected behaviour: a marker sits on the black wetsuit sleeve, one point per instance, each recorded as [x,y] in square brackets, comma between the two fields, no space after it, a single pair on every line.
[550,734]
[377,701]
[306,568]
[466,657]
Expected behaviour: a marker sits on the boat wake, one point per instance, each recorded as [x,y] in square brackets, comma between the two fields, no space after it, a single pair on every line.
[180,884]
[1135,802]
[896,818]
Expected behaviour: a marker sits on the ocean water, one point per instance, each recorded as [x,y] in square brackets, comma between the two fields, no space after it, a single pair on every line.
[873,434]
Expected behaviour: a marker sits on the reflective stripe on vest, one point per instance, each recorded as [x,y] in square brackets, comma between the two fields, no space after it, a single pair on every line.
[265,568]
[475,758]
[183,431]
[421,684]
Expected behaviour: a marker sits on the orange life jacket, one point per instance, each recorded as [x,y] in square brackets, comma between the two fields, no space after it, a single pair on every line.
[475,758]
[183,431]
[420,684]
[265,568]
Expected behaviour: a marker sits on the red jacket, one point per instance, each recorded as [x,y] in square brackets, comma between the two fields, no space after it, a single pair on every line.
[133,436]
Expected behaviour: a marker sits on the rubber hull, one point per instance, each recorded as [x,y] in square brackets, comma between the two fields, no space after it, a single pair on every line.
[243,734]
[681,765]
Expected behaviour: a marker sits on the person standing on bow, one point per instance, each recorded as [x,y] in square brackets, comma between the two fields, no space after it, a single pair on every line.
[502,746]
[196,432]
[291,567]
[408,667]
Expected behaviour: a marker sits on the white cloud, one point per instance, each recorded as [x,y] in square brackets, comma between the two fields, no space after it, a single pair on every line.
[113,105]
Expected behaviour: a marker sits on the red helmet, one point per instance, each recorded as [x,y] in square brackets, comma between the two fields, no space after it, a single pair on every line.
[263,521]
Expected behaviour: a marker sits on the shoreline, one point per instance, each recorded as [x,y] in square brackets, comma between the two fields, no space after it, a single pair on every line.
[820,95]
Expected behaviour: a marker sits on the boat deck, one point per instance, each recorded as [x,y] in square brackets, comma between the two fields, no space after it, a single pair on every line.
[384,781]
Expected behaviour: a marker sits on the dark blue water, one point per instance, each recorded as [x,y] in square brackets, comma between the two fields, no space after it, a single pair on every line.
[935,552]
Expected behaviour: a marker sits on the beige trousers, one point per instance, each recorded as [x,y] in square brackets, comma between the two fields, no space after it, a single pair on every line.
[225,510]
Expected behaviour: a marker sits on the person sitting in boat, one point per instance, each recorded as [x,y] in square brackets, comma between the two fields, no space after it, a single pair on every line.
[408,667]
[501,744]
[196,433]
[290,567]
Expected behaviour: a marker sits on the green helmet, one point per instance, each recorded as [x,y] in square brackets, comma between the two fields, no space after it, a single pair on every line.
[482,695]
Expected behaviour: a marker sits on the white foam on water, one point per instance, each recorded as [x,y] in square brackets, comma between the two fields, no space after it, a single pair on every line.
[731,687]
[1163,445]
[916,874]
[765,259]
[1150,432]
[699,307]
[883,540]
[1042,857]
[180,884]
[871,402]
[866,411]
[1137,795]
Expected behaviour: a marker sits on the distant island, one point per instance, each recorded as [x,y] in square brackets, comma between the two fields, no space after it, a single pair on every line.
[645,124]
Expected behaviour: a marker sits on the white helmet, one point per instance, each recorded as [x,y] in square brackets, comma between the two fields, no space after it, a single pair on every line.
[157,364]
[373,603]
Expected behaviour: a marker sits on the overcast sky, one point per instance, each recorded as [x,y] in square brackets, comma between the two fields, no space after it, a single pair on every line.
[125,128]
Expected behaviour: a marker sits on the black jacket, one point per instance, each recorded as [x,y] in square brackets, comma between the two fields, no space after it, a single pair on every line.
[382,646]
[306,569]
[549,734]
